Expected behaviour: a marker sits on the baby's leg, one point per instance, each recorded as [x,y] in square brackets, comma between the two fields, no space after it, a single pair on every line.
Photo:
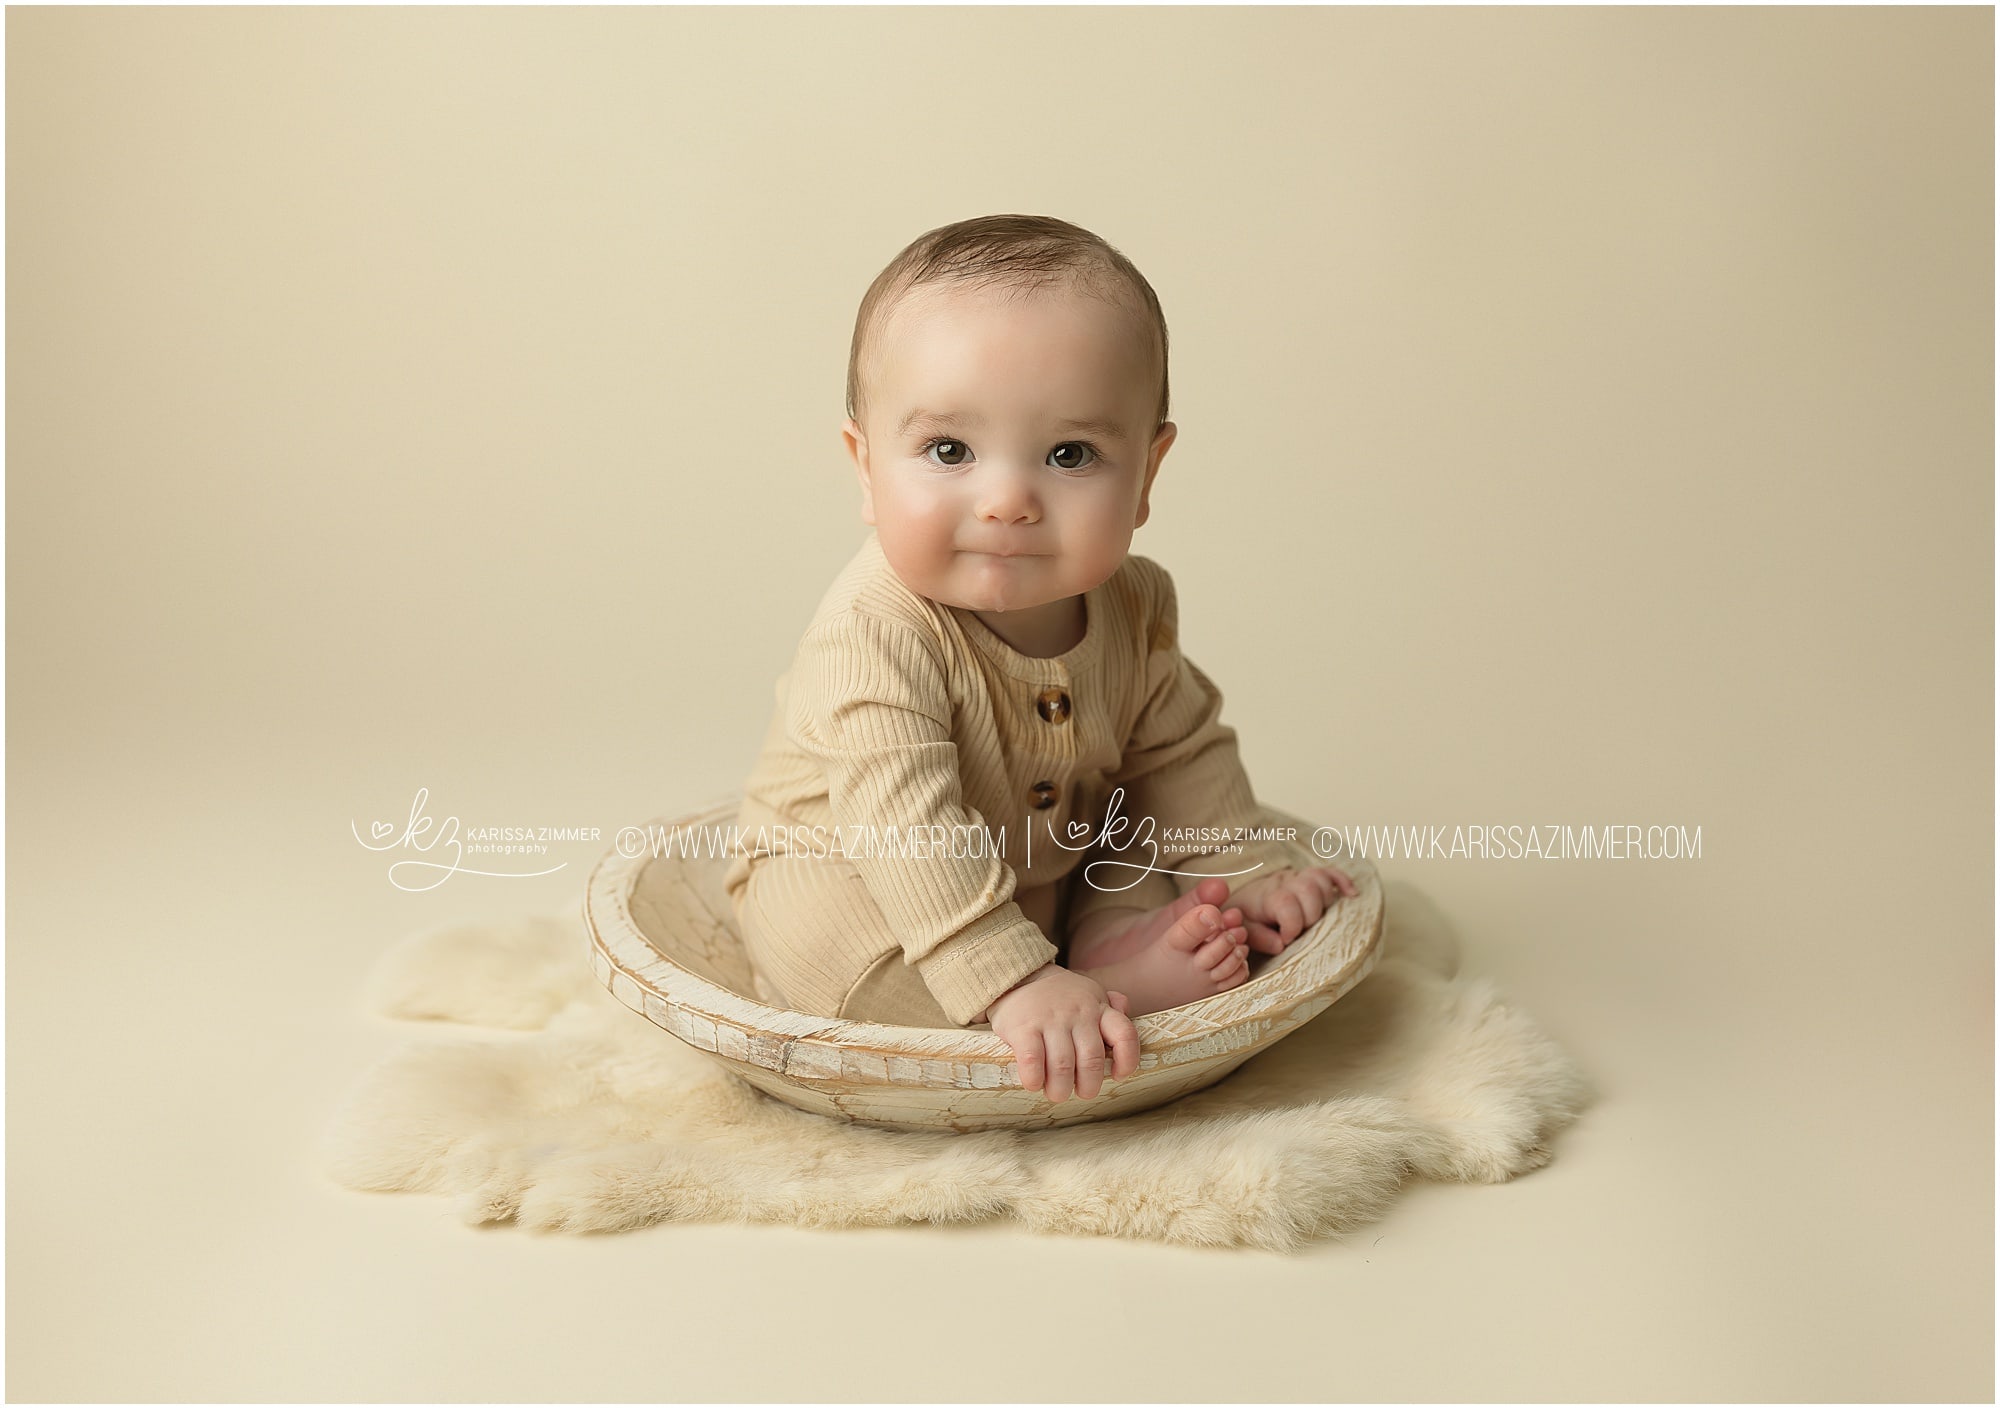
[814,931]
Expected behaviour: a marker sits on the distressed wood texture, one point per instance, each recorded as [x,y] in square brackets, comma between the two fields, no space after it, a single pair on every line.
[664,941]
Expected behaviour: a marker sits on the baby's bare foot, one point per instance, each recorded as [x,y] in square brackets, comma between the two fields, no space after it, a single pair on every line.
[1194,957]
[1109,942]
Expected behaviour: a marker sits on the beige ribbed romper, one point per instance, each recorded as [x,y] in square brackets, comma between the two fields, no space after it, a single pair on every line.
[898,712]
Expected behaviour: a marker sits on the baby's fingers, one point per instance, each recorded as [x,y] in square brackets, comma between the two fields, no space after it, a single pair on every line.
[1290,913]
[1061,1083]
[1341,879]
[1119,1030]
[1089,1043]
[1028,1060]
[1331,883]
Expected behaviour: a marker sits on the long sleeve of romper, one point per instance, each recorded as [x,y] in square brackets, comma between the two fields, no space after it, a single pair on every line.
[1181,768]
[868,701]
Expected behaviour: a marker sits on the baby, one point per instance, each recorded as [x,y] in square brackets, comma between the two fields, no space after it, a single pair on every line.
[995,655]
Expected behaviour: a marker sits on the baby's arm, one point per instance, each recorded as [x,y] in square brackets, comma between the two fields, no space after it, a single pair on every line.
[1180,768]
[868,701]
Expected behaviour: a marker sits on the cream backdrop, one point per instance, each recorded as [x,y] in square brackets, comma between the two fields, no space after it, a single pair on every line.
[1584,419]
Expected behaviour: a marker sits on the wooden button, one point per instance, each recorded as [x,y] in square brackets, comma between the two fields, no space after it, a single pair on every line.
[1045,795]
[1053,704]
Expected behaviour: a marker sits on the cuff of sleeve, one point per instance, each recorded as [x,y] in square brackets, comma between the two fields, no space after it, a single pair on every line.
[983,960]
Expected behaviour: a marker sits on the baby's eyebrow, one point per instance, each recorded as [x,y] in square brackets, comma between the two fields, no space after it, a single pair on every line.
[948,420]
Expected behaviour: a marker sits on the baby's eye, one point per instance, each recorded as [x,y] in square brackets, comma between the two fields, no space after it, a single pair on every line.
[1069,449]
[956,447]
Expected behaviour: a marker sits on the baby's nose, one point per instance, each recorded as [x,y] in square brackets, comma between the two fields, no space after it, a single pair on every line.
[1009,514]
[1009,498]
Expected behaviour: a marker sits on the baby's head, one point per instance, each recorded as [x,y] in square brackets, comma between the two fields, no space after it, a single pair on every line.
[1007,410]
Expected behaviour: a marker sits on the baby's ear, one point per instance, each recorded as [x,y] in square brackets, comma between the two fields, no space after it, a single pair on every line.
[856,441]
[1163,440]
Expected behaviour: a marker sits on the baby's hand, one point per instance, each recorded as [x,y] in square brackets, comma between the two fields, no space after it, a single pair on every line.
[1279,907]
[1059,1022]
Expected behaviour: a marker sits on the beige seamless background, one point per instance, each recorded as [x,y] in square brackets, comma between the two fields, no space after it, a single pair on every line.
[1585,418]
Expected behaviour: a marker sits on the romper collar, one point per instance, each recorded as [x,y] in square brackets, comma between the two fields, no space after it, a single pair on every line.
[1068,665]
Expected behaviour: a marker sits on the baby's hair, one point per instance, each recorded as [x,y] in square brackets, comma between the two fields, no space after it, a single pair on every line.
[1025,252]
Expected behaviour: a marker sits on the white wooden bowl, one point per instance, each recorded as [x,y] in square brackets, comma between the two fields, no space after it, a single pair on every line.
[664,941]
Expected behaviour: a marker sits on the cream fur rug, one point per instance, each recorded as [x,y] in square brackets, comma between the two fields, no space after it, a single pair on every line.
[592,1119]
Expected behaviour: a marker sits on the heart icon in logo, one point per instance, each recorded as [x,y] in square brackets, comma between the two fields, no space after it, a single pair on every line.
[1077,829]
[380,830]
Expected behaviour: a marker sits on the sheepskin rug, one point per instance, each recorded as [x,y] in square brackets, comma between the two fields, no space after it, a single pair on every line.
[588,1118]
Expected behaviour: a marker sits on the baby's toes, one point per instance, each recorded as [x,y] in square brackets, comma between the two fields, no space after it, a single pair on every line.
[1233,970]
[1219,953]
[1199,927]
[1210,958]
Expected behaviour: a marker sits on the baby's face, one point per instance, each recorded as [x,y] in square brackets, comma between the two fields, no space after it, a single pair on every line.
[1010,445]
